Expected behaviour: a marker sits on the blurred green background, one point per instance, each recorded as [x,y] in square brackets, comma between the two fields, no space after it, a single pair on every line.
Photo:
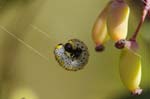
[29,31]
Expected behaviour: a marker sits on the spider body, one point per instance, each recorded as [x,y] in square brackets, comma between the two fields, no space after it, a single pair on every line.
[73,55]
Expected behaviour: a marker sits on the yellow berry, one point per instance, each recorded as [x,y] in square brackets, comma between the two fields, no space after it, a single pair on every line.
[99,32]
[130,70]
[117,20]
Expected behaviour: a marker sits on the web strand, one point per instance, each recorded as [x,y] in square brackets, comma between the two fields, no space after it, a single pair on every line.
[24,43]
[39,30]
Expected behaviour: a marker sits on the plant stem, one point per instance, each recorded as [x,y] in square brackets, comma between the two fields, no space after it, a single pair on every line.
[139,25]
[149,13]
[146,10]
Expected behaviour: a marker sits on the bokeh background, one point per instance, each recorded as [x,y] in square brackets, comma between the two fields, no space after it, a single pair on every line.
[29,31]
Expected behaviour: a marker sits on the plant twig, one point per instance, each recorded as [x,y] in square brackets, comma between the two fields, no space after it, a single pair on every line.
[145,12]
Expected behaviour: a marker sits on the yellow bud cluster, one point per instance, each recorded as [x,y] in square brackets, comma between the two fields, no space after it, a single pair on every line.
[113,23]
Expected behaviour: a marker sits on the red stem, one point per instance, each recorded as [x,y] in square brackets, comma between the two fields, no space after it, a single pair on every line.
[144,14]
[149,13]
